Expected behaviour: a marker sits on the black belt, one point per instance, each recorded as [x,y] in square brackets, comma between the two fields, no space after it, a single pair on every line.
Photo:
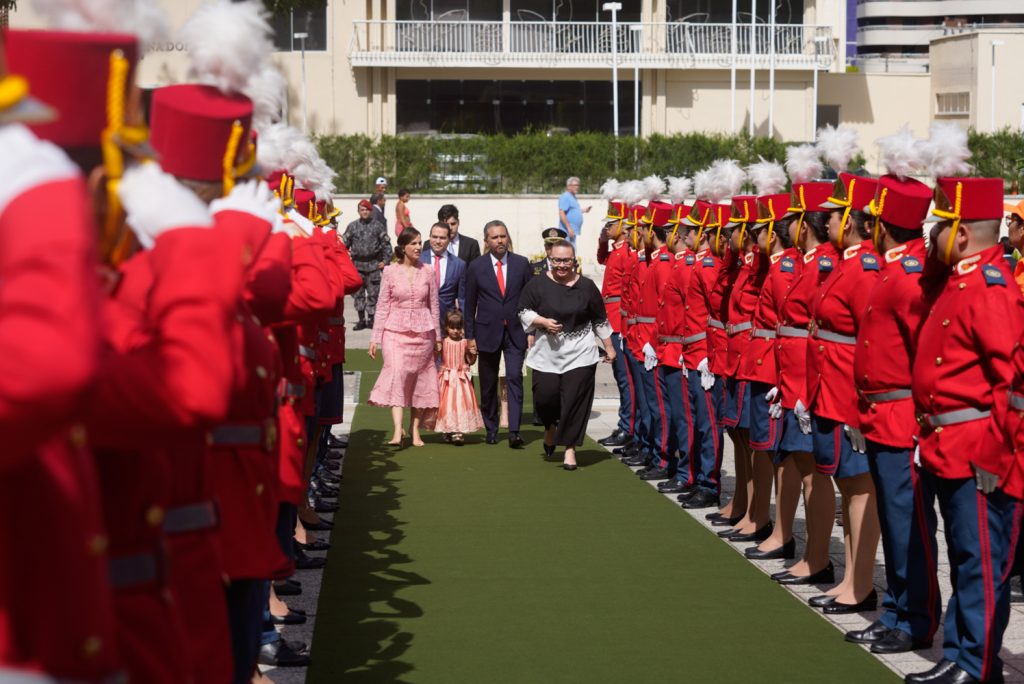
[669,339]
[938,420]
[191,518]
[612,300]
[245,434]
[645,319]
[294,390]
[308,352]
[335,320]
[137,570]
[892,395]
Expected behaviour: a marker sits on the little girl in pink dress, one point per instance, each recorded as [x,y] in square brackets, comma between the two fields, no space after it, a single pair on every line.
[458,411]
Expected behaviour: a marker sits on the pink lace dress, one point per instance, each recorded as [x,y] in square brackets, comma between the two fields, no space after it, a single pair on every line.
[458,410]
[406,326]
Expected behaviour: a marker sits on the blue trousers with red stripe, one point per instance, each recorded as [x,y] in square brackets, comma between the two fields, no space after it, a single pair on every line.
[705,460]
[627,408]
[657,435]
[911,602]
[672,386]
[981,534]
[642,426]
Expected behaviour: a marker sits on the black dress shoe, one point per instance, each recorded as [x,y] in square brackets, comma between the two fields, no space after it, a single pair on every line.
[937,674]
[780,574]
[320,526]
[726,532]
[654,473]
[287,588]
[869,603]
[322,506]
[278,654]
[325,491]
[616,439]
[329,478]
[492,438]
[515,441]
[872,634]
[721,521]
[755,536]
[315,545]
[336,443]
[898,641]
[304,562]
[673,486]
[628,451]
[292,618]
[826,575]
[702,499]
[549,450]
[787,550]
[361,325]
[636,461]
[819,601]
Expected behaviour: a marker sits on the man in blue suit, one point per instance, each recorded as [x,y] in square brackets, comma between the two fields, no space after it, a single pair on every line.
[449,271]
[493,285]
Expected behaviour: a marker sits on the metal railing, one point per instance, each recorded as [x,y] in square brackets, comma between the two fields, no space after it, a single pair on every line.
[385,43]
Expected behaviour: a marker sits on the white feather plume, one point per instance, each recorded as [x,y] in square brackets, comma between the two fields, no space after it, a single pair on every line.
[267,89]
[632,192]
[901,154]
[701,183]
[227,43]
[803,163]
[679,188]
[610,189]
[837,146]
[768,177]
[654,187]
[142,18]
[945,152]
[727,177]
[272,142]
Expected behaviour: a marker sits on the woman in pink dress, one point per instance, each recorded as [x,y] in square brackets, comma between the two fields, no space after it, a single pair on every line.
[402,220]
[458,411]
[406,330]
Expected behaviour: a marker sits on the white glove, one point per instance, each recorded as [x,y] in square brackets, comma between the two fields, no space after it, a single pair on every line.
[28,162]
[682,366]
[775,410]
[771,394]
[985,481]
[155,202]
[251,197]
[650,357]
[622,344]
[857,440]
[917,455]
[803,417]
[707,378]
[304,224]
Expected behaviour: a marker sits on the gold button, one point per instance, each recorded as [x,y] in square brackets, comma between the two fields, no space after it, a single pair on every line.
[938,360]
[98,545]
[259,490]
[869,308]
[77,436]
[865,376]
[759,362]
[938,429]
[270,338]
[154,516]
[300,441]
[962,286]
[296,359]
[323,365]
[873,407]
[945,323]
[821,347]
[866,343]
[261,372]
[209,439]
[92,646]
[885,279]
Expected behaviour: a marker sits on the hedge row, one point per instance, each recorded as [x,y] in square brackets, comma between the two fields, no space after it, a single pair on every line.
[536,163]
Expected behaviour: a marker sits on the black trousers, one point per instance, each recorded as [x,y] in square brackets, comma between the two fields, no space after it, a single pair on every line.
[489,404]
[566,399]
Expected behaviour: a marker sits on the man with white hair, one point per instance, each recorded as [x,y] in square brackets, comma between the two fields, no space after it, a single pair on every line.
[570,214]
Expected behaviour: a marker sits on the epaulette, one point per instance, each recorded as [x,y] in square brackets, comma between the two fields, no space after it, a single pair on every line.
[912,264]
[690,260]
[869,262]
[708,261]
[665,257]
[993,276]
[787,265]
[825,264]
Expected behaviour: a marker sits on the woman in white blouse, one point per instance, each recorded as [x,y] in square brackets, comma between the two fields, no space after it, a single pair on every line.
[564,311]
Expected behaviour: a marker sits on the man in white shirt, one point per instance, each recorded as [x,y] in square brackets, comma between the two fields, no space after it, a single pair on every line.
[449,271]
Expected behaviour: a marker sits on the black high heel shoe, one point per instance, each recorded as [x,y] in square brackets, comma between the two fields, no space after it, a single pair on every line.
[549,450]
[569,466]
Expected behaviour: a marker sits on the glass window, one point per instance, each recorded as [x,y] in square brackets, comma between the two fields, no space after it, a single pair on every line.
[716,12]
[448,10]
[311,21]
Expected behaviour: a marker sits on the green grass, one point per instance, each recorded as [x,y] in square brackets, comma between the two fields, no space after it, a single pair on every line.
[484,564]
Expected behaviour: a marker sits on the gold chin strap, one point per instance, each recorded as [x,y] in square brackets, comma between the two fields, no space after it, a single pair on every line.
[116,241]
[771,226]
[13,89]
[801,210]
[743,221]
[231,172]
[953,216]
[876,211]
[703,223]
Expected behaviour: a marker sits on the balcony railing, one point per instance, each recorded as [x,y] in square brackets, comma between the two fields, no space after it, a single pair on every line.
[589,44]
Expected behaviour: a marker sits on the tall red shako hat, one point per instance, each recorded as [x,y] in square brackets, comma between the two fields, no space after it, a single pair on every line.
[838,146]
[769,180]
[899,200]
[804,167]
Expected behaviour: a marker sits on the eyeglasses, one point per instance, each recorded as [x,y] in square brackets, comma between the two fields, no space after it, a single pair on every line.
[561,262]
[1013,218]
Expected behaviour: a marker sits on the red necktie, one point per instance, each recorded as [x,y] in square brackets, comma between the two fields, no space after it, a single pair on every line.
[501,279]
[437,270]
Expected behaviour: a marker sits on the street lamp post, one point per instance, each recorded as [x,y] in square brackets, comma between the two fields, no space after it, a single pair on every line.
[301,37]
[992,104]
[614,8]
[637,31]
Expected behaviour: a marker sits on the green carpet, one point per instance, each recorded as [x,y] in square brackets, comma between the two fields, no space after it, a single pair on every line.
[484,564]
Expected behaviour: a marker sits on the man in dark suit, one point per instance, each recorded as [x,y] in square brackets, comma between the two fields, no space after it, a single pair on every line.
[462,246]
[493,285]
[378,200]
[449,271]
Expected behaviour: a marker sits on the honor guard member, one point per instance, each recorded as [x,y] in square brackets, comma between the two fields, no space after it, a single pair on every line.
[615,268]
[960,380]
[832,398]
[702,227]
[369,245]
[809,231]
[654,289]
[550,236]
[49,343]
[882,366]
[758,363]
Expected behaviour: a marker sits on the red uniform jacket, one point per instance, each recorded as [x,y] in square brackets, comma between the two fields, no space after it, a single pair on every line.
[795,314]
[718,312]
[740,313]
[615,270]
[885,345]
[49,336]
[634,286]
[838,311]
[964,360]
[759,361]
[696,308]
[1013,483]
[652,291]
[671,311]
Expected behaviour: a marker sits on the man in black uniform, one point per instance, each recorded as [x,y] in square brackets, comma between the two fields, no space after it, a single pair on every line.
[551,236]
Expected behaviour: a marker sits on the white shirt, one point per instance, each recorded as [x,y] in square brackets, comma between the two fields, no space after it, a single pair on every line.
[453,246]
[443,256]
[504,265]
